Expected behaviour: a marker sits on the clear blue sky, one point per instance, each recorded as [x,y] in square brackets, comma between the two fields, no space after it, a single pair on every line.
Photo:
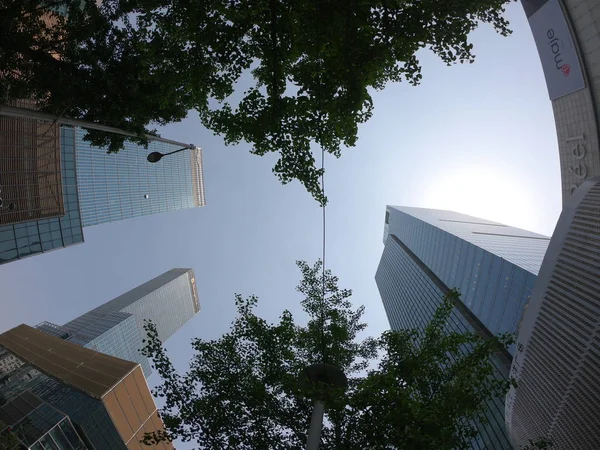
[478,139]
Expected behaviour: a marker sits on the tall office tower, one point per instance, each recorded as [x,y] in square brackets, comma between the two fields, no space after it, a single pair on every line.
[557,363]
[427,252]
[63,396]
[30,181]
[53,183]
[39,207]
[116,328]
[124,185]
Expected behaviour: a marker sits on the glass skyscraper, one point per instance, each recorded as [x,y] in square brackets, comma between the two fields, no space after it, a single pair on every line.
[27,238]
[427,252]
[96,188]
[123,185]
[116,327]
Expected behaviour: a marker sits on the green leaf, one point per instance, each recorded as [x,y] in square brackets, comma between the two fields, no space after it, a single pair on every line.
[305,69]
[243,390]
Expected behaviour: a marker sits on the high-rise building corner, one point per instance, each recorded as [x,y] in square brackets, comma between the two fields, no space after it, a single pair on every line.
[116,327]
[428,252]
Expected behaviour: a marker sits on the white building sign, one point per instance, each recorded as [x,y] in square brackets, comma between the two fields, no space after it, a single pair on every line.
[556,49]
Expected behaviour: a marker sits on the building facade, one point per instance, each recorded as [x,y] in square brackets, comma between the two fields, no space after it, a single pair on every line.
[567,37]
[64,396]
[28,422]
[124,185]
[8,363]
[53,183]
[428,252]
[30,175]
[493,265]
[27,233]
[116,328]
[557,363]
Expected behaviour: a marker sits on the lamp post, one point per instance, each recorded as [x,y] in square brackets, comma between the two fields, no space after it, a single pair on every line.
[155,157]
[319,378]
[12,111]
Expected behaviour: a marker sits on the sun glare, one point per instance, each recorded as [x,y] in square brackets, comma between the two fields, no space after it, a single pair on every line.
[483,192]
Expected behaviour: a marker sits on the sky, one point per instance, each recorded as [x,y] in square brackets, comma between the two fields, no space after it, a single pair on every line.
[477,139]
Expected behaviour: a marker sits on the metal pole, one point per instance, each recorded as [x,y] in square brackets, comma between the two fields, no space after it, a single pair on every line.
[316,424]
[39,115]
[177,151]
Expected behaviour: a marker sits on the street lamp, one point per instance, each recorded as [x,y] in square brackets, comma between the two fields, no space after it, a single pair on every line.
[155,157]
[320,377]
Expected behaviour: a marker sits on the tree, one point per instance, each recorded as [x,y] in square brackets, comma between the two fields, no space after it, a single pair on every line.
[242,391]
[313,64]
[85,60]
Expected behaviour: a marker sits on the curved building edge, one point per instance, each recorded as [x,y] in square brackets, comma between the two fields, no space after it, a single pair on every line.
[566,33]
[557,362]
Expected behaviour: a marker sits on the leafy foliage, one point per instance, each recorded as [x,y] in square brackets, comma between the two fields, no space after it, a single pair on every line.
[83,60]
[242,391]
[313,64]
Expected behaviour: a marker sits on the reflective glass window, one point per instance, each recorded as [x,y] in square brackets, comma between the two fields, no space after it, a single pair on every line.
[500,301]
[490,293]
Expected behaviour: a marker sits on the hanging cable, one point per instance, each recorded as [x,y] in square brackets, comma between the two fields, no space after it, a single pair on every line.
[323,205]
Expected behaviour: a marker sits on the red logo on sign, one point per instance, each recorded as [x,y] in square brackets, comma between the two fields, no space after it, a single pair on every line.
[566,69]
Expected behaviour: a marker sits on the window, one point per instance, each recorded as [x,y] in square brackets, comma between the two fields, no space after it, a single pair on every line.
[501,299]
[490,293]
[6,235]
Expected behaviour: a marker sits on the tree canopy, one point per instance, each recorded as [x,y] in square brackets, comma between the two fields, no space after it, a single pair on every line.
[308,67]
[86,61]
[408,389]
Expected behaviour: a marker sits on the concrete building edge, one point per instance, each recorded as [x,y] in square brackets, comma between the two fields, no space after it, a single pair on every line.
[532,310]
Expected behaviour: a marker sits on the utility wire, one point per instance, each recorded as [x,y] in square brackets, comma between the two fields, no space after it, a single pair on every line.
[324,221]
[323,256]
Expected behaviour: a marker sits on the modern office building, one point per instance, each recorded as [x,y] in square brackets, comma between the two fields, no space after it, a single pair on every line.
[124,185]
[116,328]
[557,363]
[53,183]
[66,397]
[30,175]
[39,212]
[428,252]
